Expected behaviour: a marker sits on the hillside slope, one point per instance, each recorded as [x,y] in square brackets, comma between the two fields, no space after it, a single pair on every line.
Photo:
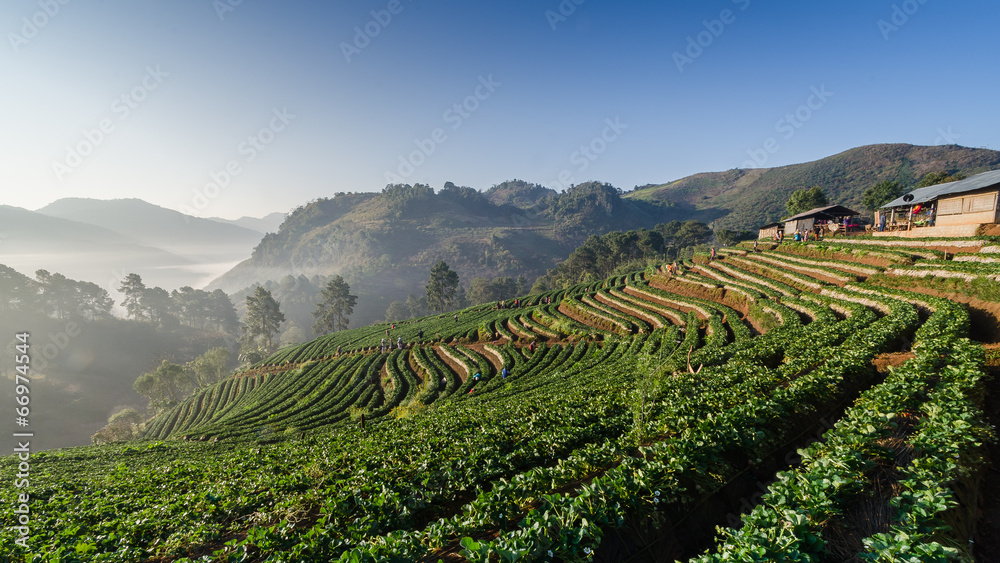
[747,198]
[601,441]
[385,243]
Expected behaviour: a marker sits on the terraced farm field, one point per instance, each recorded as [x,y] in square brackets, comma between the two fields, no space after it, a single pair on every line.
[807,402]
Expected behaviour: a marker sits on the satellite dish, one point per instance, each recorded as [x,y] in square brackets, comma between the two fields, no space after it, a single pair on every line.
[908,198]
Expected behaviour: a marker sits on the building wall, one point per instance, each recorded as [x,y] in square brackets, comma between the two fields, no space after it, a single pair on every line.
[800,225]
[767,233]
[967,209]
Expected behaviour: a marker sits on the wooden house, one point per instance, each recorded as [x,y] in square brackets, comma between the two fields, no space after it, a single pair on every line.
[955,209]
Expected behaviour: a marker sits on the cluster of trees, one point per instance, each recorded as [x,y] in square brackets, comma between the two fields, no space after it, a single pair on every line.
[502,288]
[874,197]
[445,293]
[264,318]
[193,307]
[602,256]
[54,295]
[170,383]
[884,192]
[804,200]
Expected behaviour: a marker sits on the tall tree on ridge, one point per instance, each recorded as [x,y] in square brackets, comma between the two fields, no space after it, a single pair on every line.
[441,287]
[334,311]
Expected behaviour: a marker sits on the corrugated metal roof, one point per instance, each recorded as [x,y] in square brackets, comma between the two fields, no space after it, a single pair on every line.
[932,193]
[828,211]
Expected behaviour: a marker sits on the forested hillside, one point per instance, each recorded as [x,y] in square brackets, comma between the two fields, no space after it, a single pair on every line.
[385,243]
[745,198]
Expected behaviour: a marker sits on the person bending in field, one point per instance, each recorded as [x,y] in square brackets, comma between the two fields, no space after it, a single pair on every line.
[399,342]
[477,377]
[504,372]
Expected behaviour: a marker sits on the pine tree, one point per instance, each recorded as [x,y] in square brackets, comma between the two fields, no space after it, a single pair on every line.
[334,311]
[264,317]
[132,287]
[441,287]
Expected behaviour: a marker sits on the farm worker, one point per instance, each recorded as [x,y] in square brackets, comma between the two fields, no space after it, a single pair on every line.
[713,253]
[798,237]
[531,346]
[504,373]
[755,244]
[477,376]
[472,390]
[456,317]
[881,221]
[399,342]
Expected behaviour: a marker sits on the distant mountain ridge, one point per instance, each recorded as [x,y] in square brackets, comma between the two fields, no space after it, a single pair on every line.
[266,224]
[385,243]
[158,226]
[745,198]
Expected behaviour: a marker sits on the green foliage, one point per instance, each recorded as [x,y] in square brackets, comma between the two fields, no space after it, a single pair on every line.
[335,308]
[210,367]
[729,237]
[133,288]
[578,440]
[165,386]
[263,318]
[805,199]
[441,287]
[880,194]
[122,426]
[600,256]
[942,177]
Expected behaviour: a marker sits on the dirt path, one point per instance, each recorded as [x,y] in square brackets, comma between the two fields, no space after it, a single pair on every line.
[572,315]
[634,311]
[494,360]
[460,370]
[676,305]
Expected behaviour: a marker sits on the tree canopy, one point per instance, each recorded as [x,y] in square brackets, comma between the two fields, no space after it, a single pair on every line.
[806,199]
[441,287]
[263,318]
[935,178]
[334,311]
[881,194]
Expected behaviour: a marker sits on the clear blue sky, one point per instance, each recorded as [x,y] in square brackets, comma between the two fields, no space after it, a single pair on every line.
[198,80]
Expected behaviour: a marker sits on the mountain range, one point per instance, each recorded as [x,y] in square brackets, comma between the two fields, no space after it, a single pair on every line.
[103,240]
[384,243]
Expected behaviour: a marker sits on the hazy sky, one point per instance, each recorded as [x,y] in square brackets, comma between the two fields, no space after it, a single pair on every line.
[302,99]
